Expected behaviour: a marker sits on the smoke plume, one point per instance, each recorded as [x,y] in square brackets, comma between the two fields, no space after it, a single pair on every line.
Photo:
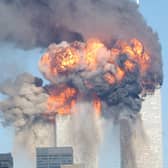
[24,104]
[24,108]
[38,23]
[101,54]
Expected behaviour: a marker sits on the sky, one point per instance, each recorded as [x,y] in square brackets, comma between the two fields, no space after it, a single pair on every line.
[154,12]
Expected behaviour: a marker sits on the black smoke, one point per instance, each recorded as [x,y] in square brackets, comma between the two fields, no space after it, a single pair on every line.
[37,23]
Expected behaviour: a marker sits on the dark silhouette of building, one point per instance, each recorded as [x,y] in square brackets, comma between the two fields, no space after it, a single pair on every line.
[54,157]
[73,166]
[6,160]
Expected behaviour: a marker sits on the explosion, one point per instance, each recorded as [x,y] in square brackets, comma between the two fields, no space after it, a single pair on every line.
[101,62]
[61,100]
[112,79]
[82,68]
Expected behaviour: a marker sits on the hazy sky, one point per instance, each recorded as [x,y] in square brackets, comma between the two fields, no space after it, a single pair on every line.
[155,12]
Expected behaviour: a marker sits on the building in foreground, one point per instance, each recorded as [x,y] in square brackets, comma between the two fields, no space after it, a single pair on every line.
[6,161]
[54,157]
[73,166]
[152,153]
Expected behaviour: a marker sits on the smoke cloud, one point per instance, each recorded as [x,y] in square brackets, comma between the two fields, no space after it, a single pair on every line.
[38,23]
[24,109]
[25,102]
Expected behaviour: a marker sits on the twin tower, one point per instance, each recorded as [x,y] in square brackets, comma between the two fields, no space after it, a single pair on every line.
[146,144]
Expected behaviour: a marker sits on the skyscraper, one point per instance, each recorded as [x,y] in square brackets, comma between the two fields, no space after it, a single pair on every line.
[151,153]
[70,132]
[148,152]
[54,157]
[147,147]
[6,161]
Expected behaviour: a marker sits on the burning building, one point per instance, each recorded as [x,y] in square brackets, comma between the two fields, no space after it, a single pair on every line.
[146,140]
[150,154]
[101,63]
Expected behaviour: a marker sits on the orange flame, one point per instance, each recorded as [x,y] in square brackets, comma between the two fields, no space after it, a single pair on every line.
[92,48]
[97,105]
[67,60]
[64,60]
[46,59]
[129,66]
[62,102]
[120,74]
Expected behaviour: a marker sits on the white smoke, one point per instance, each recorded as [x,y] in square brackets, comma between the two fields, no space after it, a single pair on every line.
[81,130]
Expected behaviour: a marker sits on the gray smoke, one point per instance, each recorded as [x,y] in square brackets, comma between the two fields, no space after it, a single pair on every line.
[132,135]
[22,108]
[121,101]
[24,102]
[82,131]
[38,23]
[115,97]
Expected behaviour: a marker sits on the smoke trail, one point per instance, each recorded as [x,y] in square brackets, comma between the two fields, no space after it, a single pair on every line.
[86,134]
[132,139]
[82,131]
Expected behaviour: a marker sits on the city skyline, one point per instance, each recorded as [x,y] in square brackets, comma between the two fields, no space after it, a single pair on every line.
[157,24]
[148,154]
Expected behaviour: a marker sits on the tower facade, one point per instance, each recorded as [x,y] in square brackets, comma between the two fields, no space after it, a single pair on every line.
[145,147]
[151,153]
[70,132]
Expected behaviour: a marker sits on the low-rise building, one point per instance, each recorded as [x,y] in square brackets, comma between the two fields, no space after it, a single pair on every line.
[6,160]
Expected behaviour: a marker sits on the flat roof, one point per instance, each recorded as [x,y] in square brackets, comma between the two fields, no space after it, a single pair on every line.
[54,150]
